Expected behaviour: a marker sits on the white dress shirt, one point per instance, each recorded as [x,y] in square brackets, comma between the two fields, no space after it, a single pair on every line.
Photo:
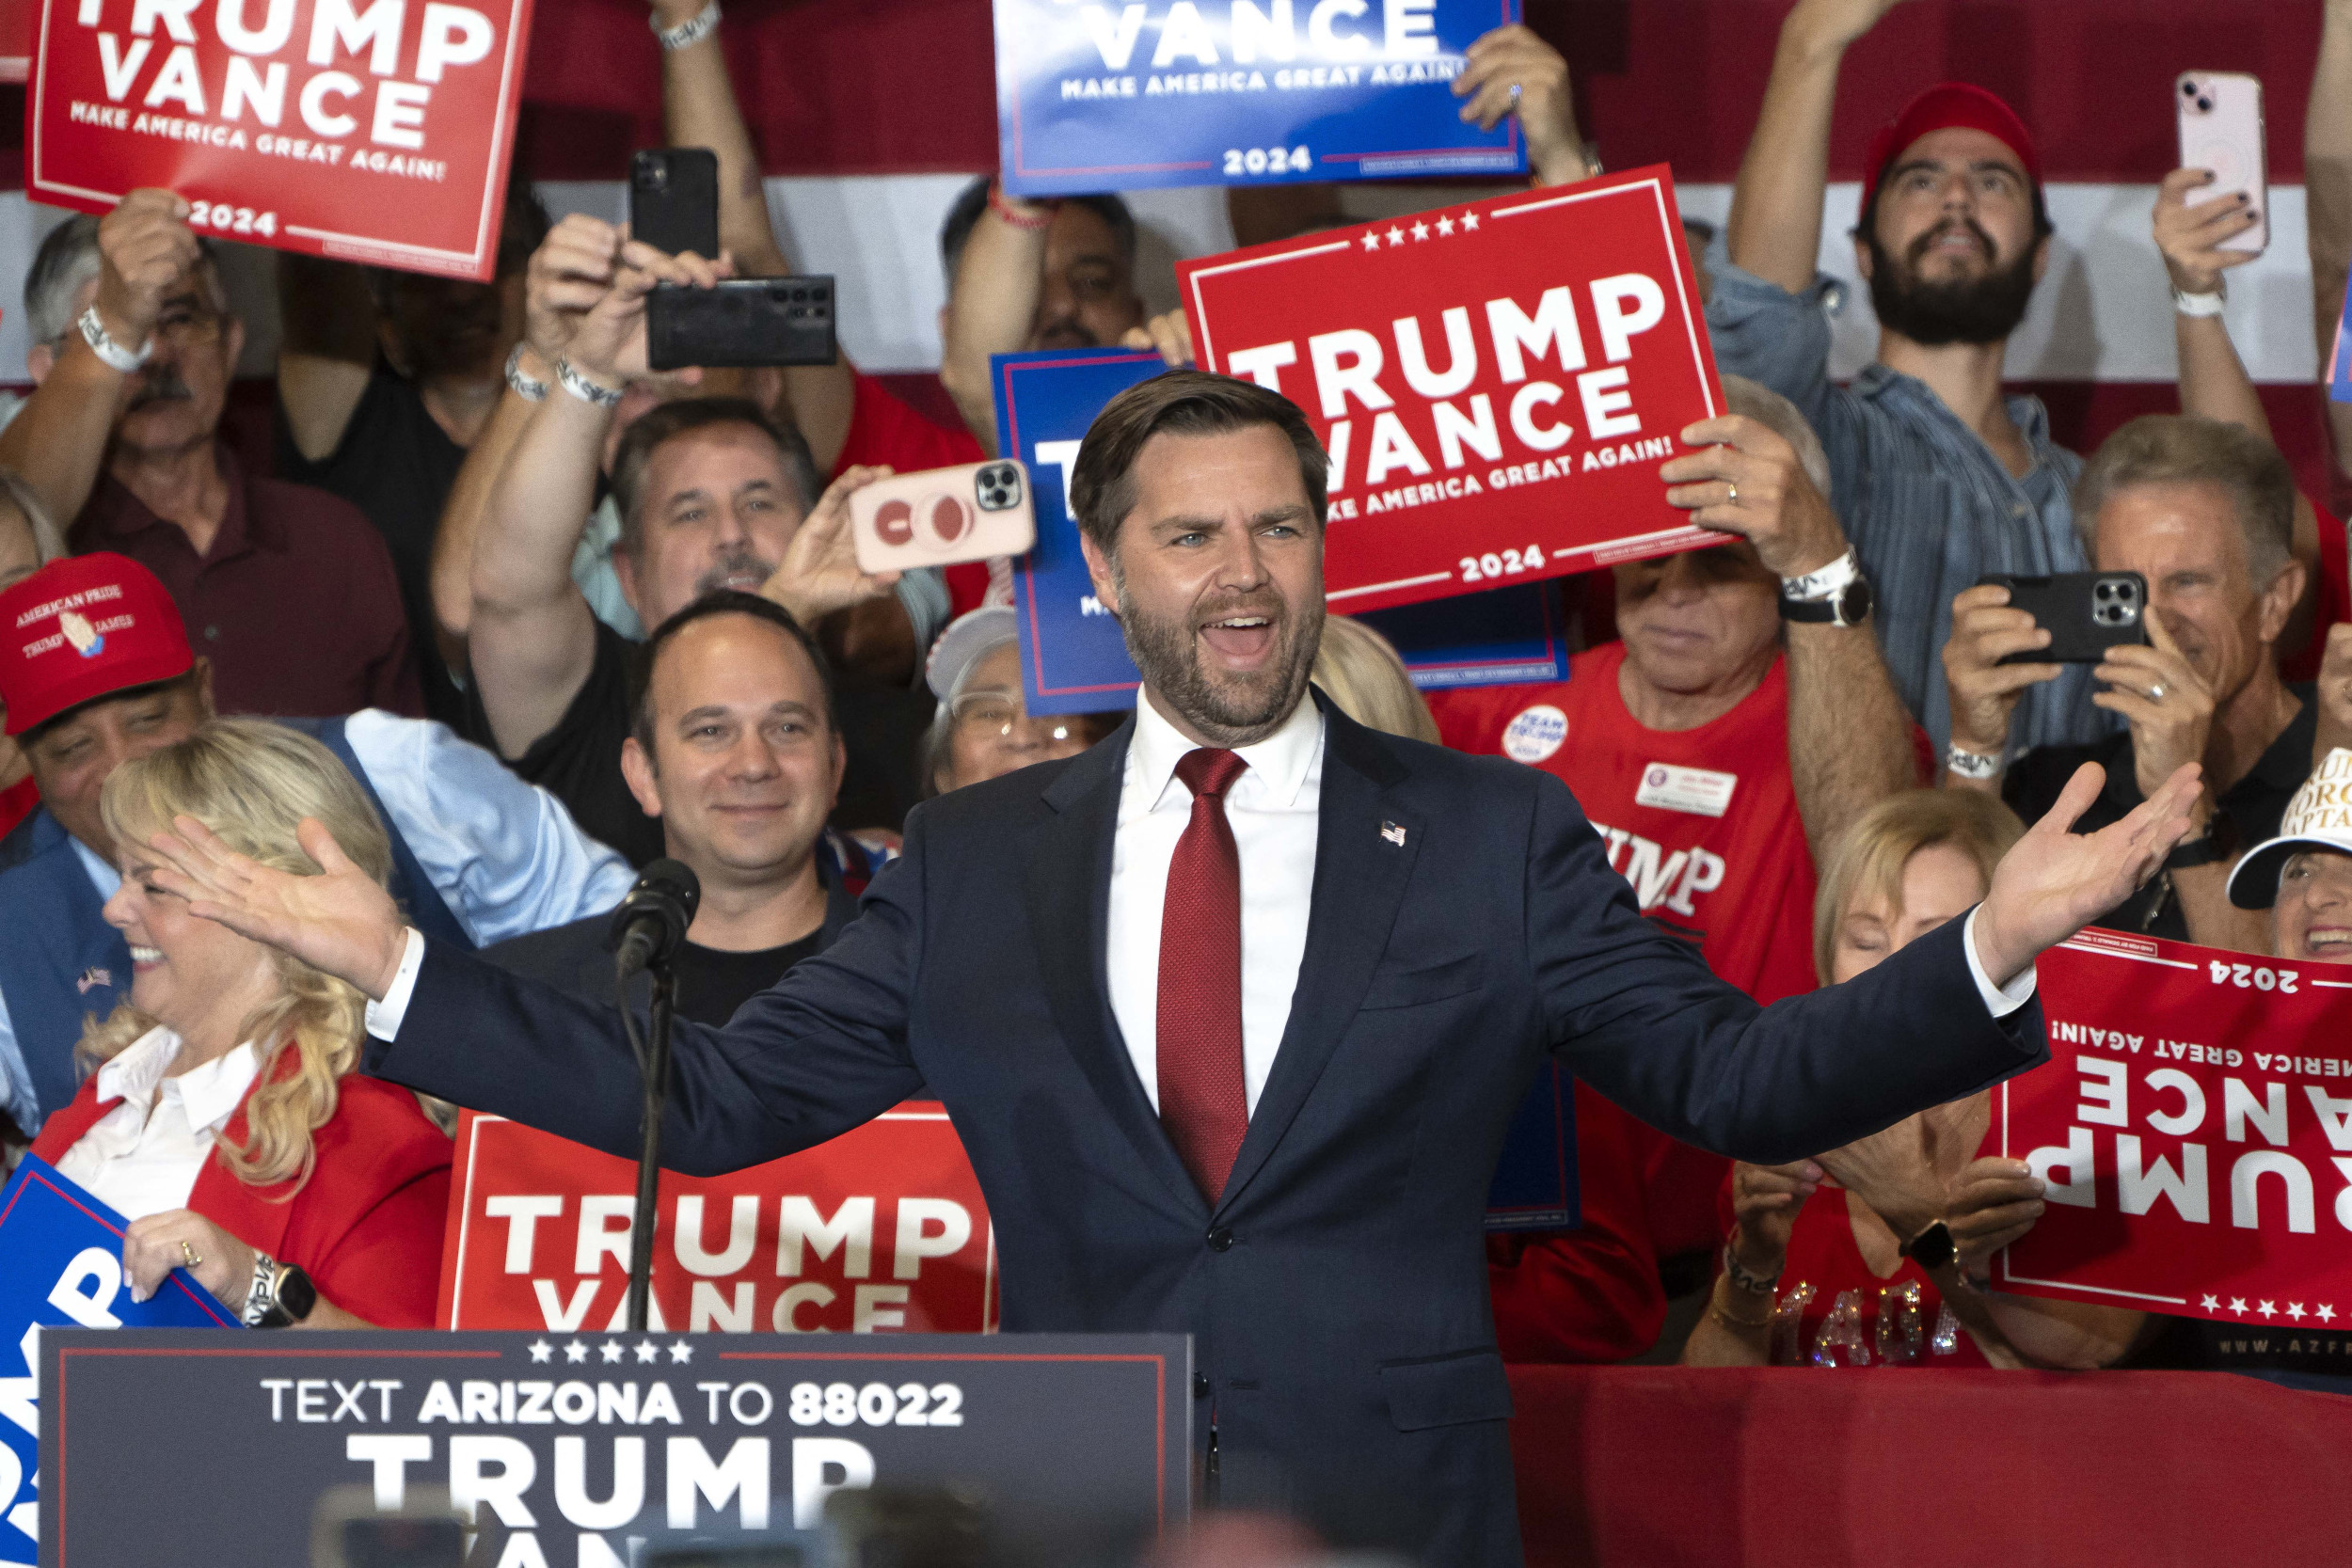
[143,1157]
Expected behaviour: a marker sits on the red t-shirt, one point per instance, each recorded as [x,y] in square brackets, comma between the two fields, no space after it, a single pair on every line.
[1702,822]
[886,429]
[1825,1255]
[2333,600]
[17,802]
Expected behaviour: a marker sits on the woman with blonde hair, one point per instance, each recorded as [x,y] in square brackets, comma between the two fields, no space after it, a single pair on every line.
[1840,1280]
[1359,669]
[225,1119]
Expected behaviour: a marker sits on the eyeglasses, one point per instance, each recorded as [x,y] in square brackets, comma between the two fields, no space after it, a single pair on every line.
[994,714]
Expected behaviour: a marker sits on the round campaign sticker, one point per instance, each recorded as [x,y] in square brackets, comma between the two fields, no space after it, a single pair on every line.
[1656,779]
[1535,734]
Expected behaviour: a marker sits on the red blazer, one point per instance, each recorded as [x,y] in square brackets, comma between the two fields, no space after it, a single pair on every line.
[366,1227]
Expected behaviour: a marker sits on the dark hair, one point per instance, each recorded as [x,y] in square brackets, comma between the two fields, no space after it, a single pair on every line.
[1180,403]
[721,601]
[965,213]
[668,420]
[187,679]
[523,226]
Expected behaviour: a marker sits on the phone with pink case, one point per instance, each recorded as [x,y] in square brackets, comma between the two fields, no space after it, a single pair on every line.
[2221,129]
[942,516]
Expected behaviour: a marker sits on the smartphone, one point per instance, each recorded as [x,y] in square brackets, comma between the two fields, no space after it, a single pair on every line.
[2086,613]
[674,200]
[941,516]
[743,321]
[2221,129]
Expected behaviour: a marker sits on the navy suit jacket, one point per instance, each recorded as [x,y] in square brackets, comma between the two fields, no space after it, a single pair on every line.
[1336,1293]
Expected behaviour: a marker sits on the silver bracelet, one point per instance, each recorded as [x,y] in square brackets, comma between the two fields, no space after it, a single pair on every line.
[263,1294]
[1966,764]
[526,388]
[110,353]
[687,33]
[583,388]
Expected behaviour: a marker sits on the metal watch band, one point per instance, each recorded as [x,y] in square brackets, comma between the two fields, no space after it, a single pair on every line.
[2202,305]
[1824,584]
[687,33]
[583,388]
[103,344]
[529,389]
[1966,764]
[263,1294]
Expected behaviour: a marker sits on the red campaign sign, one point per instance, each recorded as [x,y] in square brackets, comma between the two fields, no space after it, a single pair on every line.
[882,1229]
[371,131]
[1497,383]
[2195,1128]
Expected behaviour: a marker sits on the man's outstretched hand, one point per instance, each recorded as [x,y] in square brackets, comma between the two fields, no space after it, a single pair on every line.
[341,921]
[2053,882]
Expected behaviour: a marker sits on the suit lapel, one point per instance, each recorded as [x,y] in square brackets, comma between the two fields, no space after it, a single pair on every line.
[1361,876]
[1069,885]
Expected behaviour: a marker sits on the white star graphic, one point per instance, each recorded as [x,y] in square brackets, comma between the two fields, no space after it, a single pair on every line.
[1469,223]
[1372,240]
[2295,1310]
[541,1350]
[2327,1313]
[648,1350]
[1420,230]
[2211,1304]
[2238,1304]
[2267,1309]
[1396,237]
[611,1350]
[1445,226]
[681,1352]
[575,1351]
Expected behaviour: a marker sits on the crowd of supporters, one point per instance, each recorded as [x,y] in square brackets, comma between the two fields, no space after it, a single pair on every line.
[530,613]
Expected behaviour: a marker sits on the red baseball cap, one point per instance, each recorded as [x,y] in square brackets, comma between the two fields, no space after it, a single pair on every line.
[80,628]
[1943,107]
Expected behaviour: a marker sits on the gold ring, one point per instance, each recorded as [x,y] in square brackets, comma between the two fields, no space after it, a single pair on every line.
[1733,498]
[190,1253]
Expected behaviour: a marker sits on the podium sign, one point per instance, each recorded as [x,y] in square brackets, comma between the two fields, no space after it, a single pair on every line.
[163,1448]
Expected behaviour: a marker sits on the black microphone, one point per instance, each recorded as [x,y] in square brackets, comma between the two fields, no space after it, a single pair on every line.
[651,922]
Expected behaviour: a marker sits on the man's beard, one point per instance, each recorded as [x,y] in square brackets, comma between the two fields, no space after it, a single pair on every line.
[1240,709]
[1982,309]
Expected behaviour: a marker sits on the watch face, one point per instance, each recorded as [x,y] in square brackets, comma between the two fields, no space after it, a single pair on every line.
[1853,606]
[296,1295]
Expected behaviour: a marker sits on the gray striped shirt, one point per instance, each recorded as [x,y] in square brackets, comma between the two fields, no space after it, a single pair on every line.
[1927,506]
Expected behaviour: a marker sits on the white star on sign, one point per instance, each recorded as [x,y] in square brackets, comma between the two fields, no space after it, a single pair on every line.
[1372,240]
[1469,223]
[2267,1311]
[2327,1313]
[648,1350]
[1396,237]
[2295,1310]
[1420,230]
[541,1350]
[575,1351]
[1445,226]
[611,1350]
[2238,1304]
[2212,1304]
[681,1352]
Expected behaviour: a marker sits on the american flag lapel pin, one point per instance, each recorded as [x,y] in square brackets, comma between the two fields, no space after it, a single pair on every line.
[1393,834]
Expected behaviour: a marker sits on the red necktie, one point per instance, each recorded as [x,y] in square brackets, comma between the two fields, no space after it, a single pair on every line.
[1203,1104]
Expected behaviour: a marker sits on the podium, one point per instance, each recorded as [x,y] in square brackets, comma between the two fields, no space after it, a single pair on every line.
[166,1446]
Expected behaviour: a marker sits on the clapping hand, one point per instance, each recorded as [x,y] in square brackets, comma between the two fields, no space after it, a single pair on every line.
[2053,882]
[341,921]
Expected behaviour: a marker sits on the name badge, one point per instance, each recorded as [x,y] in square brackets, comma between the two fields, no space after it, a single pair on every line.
[1693,789]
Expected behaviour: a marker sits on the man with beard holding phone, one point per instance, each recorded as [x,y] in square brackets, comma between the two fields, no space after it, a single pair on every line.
[285,589]
[1939,478]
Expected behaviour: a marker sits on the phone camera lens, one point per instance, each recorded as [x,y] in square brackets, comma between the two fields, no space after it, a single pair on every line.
[2188,89]
[2105,591]
[819,293]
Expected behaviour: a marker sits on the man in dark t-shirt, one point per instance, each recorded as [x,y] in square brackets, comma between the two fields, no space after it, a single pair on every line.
[734,750]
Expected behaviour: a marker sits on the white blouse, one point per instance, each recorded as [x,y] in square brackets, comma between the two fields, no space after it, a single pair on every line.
[143,1156]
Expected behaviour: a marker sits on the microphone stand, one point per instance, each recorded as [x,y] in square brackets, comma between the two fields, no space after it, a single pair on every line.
[655,1060]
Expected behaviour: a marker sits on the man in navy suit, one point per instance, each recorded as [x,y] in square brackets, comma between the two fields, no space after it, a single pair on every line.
[1232,1010]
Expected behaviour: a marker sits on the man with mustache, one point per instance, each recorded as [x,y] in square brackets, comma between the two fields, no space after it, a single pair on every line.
[1232,1010]
[711,493]
[1940,479]
[285,588]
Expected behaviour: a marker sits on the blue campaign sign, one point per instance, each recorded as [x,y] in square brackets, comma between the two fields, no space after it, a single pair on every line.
[2340,359]
[61,1267]
[1503,637]
[1534,1185]
[1095,95]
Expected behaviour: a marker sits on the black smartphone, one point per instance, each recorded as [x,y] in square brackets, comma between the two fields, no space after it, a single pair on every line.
[674,200]
[744,320]
[2086,613]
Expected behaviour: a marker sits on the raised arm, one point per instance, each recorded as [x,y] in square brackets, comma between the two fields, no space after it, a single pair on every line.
[1775,228]
[57,442]
[1511,70]
[992,301]
[326,348]
[699,109]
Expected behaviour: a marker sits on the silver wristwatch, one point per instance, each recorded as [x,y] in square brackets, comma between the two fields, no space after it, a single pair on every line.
[526,387]
[110,353]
